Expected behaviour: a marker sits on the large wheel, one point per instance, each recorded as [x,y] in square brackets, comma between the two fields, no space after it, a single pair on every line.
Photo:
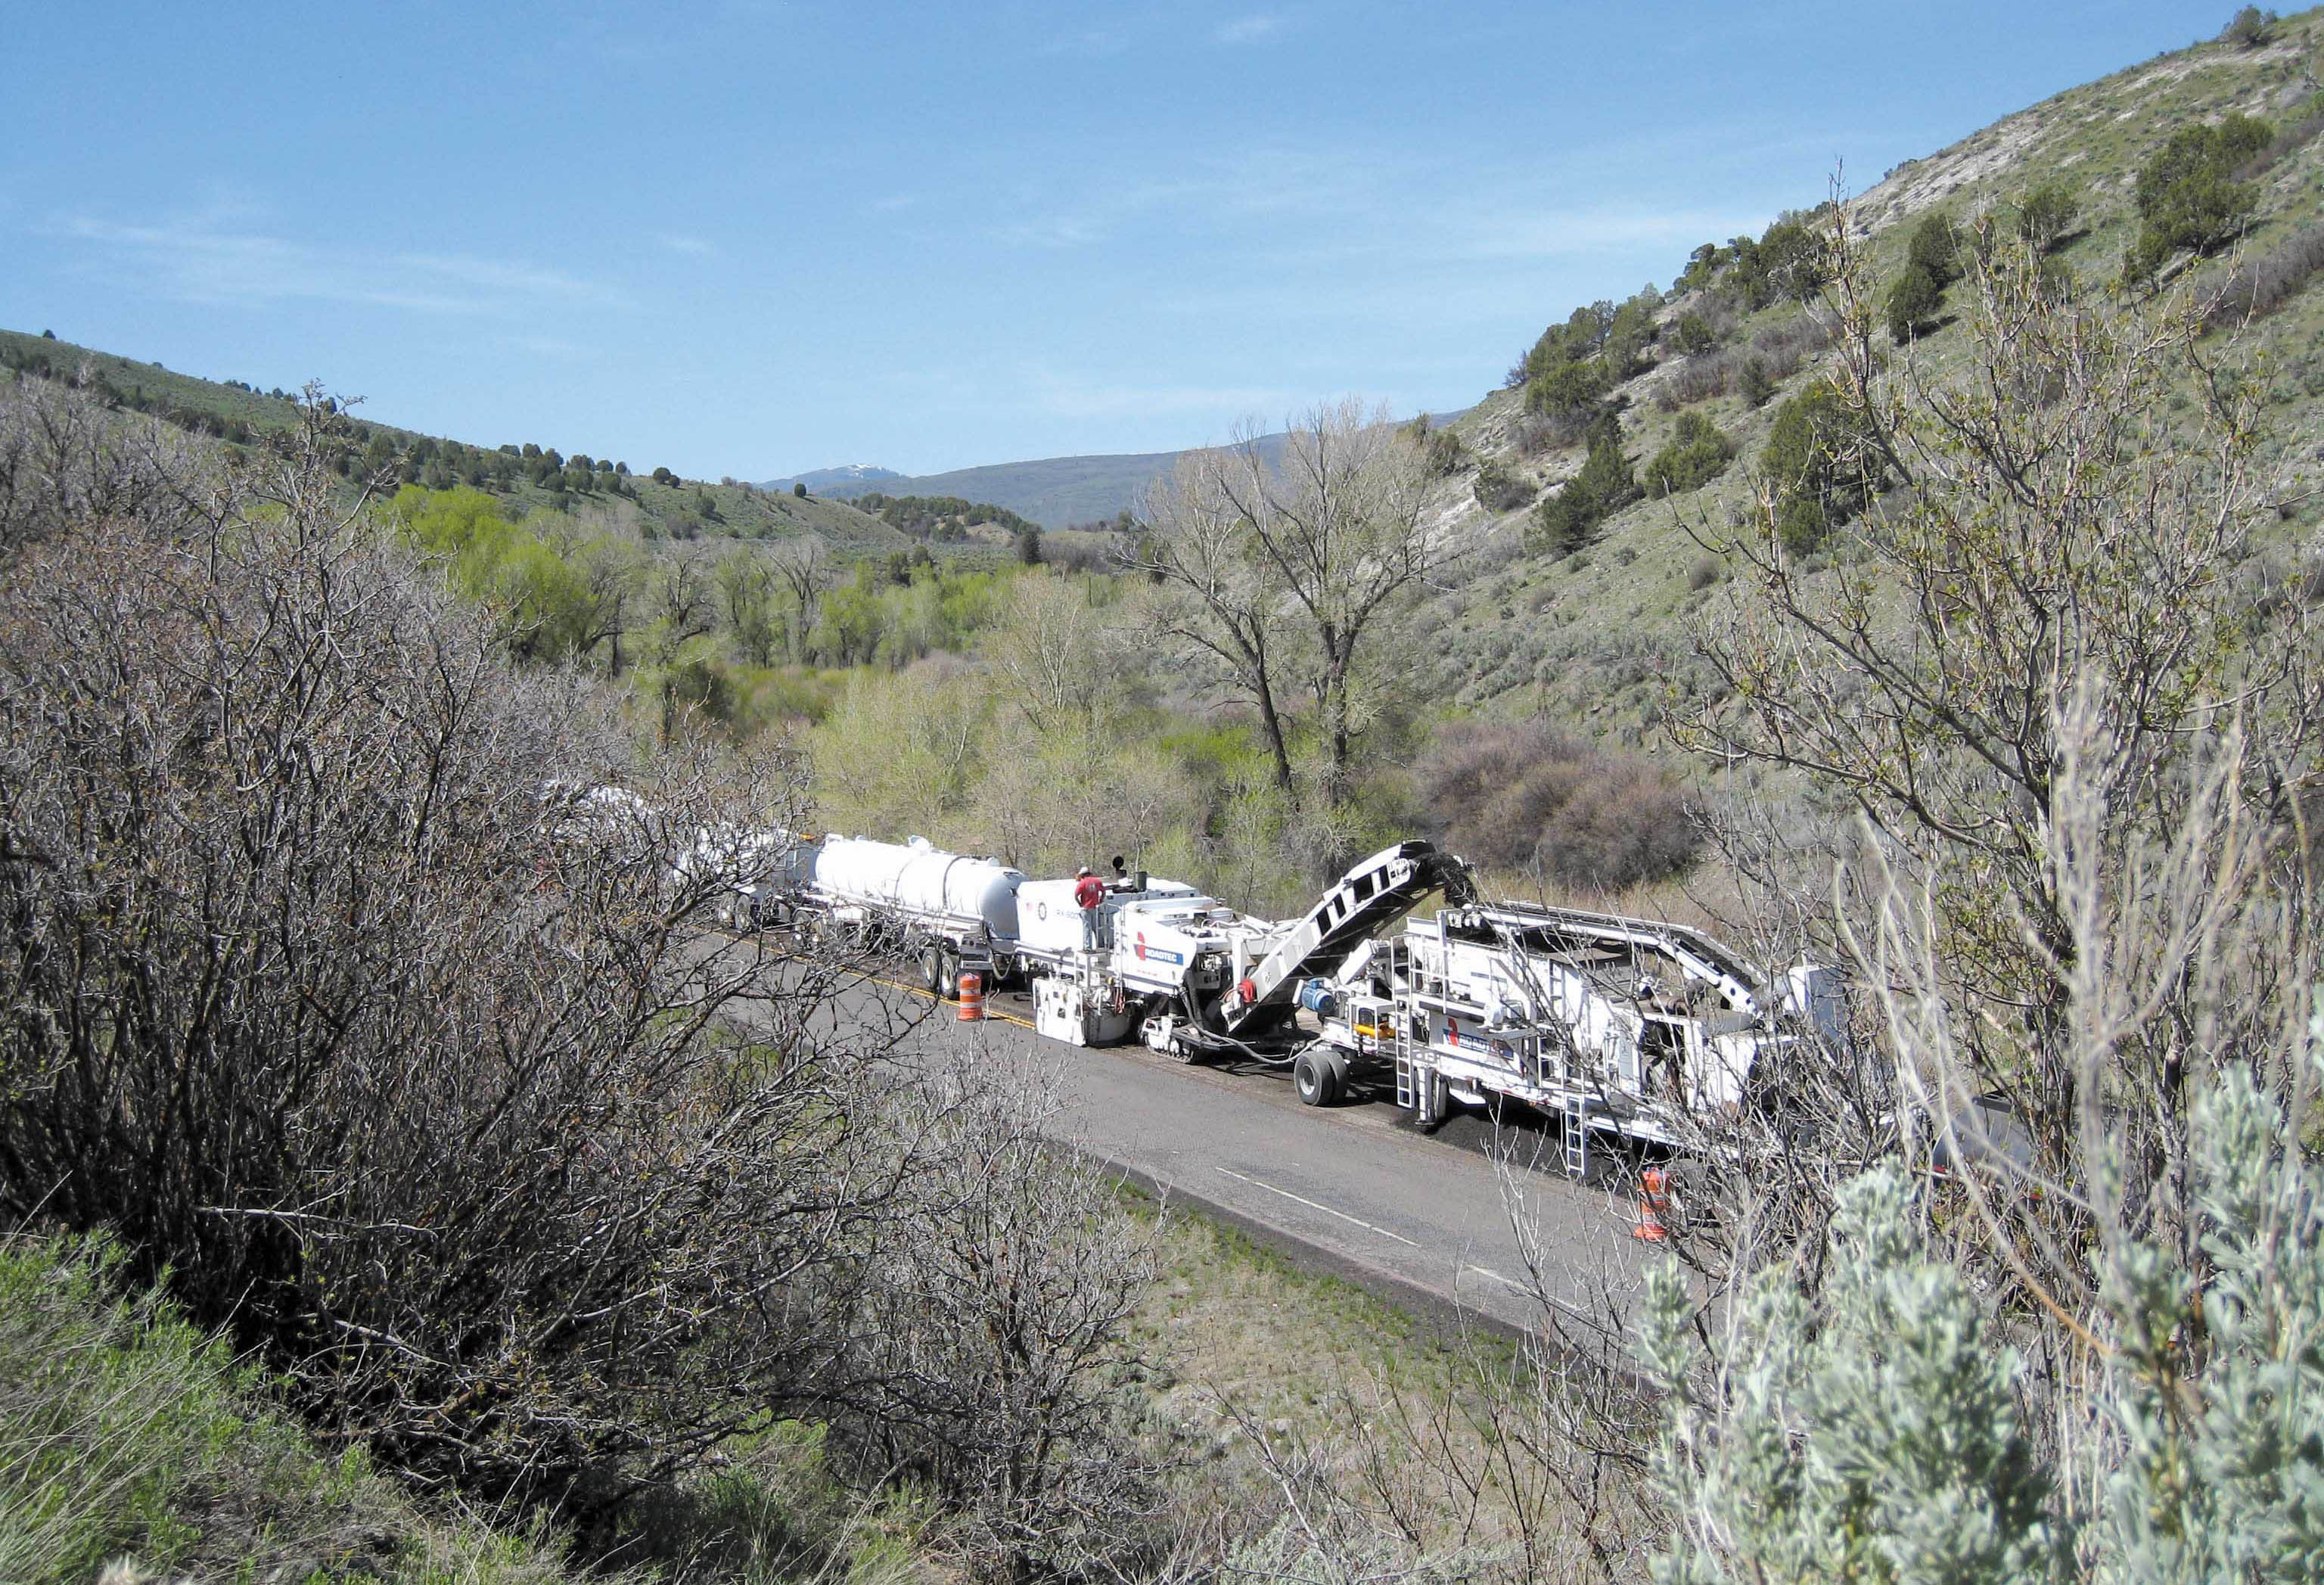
[1335,1076]
[1310,1078]
[948,984]
[932,967]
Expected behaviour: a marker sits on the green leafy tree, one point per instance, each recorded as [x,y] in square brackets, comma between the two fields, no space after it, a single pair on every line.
[1566,521]
[1935,247]
[1569,392]
[1915,301]
[2249,28]
[1693,335]
[1757,385]
[799,490]
[1697,454]
[1817,466]
[1702,267]
[1931,263]
[2187,196]
[1628,334]
[2046,213]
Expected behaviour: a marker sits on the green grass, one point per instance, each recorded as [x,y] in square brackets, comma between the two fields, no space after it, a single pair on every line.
[131,1436]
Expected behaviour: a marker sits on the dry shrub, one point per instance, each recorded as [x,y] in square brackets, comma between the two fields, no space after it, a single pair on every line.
[1534,433]
[990,1362]
[1780,350]
[1527,797]
[424,1095]
[2264,284]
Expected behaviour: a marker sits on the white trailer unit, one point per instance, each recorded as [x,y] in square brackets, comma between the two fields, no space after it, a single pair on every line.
[946,910]
[1052,930]
[1617,1025]
[1158,952]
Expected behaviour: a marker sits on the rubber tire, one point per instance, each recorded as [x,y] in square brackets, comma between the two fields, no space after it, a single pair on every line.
[948,984]
[1335,1076]
[1311,1079]
[932,959]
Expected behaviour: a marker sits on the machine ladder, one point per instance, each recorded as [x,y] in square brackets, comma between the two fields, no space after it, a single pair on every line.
[1577,1134]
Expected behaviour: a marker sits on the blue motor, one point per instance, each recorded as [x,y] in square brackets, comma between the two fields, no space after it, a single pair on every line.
[1318,998]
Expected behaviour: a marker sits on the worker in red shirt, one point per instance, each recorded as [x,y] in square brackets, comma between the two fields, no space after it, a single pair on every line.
[1089,891]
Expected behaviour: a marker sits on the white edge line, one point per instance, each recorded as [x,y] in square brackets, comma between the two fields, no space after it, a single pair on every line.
[1313,1205]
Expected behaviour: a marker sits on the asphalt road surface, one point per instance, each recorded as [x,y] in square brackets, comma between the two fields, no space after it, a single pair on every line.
[1463,1218]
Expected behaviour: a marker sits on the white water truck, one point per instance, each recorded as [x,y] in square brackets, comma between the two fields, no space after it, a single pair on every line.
[945,911]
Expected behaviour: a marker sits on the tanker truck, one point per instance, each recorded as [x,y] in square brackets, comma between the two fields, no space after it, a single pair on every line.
[945,911]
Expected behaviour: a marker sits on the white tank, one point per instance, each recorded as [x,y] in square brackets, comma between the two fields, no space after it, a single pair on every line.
[918,882]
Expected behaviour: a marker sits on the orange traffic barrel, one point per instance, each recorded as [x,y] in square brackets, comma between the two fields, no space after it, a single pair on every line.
[972,999]
[1653,1205]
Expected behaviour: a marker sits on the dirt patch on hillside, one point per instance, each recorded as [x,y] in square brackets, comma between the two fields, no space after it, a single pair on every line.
[1921,184]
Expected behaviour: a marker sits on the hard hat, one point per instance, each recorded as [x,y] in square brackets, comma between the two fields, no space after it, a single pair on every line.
[1084,869]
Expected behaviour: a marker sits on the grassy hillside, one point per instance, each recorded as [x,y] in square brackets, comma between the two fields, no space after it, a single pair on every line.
[651,508]
[1593,633]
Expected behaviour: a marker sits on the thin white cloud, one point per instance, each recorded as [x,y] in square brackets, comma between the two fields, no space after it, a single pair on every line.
[693,247]
[1092,43]
[1249,30]
[197,261]
[1051,231]
[1558,233]
[1069,396]
[549,346]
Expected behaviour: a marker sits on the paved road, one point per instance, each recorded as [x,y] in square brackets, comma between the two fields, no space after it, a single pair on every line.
[1351,1187]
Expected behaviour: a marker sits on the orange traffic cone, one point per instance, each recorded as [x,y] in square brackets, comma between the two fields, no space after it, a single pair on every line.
[1653,1205]
[972,999]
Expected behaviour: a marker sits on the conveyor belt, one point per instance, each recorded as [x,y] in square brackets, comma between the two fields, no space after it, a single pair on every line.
[1365,900]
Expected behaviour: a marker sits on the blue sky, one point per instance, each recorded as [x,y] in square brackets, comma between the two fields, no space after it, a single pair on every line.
[753,238]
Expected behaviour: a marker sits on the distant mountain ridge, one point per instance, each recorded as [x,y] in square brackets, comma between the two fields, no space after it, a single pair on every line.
[848,479]
[1055,492]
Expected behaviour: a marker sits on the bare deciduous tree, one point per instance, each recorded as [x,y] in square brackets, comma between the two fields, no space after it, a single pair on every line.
[1325,535]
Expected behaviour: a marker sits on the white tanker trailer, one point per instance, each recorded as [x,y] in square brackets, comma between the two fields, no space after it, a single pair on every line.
[946,910]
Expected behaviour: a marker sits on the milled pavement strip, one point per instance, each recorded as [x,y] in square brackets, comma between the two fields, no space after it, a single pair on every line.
[1326,1210]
